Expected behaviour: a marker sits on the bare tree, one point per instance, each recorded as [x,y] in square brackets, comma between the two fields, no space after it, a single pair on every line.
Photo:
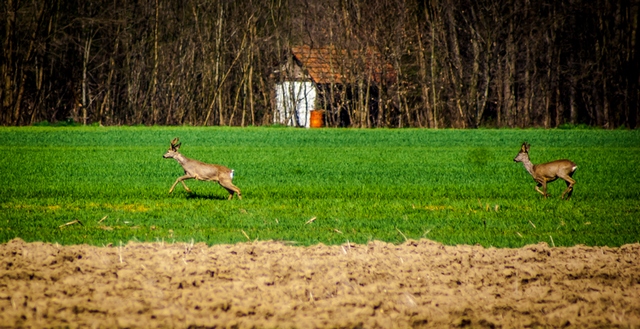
[460,63]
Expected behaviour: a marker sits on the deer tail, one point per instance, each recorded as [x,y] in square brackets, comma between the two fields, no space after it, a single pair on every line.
[231,175]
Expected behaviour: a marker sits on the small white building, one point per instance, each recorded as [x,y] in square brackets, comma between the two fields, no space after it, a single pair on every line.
[324,79]
[294,102]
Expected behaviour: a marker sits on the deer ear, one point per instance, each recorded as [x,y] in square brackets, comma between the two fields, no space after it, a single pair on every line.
[523,148]
[174,144]
[527,146]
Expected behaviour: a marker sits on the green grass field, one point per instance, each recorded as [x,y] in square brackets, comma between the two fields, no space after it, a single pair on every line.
[452,186]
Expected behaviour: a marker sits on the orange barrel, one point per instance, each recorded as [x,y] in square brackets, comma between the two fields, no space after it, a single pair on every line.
[317,119]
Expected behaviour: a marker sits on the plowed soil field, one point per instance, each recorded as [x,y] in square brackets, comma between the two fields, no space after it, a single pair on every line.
[420,284]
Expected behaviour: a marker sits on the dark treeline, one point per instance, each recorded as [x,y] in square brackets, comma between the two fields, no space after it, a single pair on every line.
[460,63]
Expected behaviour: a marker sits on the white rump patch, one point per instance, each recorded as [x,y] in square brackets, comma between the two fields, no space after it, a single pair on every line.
[574,168]
[232,171]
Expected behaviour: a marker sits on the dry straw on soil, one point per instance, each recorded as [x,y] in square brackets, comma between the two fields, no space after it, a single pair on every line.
[268,284]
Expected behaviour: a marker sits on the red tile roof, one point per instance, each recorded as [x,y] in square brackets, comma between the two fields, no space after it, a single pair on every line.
[329,65]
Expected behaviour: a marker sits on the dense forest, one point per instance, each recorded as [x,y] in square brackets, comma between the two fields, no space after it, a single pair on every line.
[459,63]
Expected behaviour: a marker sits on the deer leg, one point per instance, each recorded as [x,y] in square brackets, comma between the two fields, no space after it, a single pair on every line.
[542,184]
[228,185]
[230,193]
[185,186]
[544,188]
[539,191]
[568,191]
[180,179]
[570,181]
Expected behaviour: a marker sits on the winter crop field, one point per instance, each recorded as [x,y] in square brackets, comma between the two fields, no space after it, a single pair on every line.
[101,185]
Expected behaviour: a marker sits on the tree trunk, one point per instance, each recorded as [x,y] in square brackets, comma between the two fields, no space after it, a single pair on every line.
[154,75]
[7,63]
[17,102]
[456,70]
[424,88]
[473,86]
[559,104]
[86,52]
[573,107]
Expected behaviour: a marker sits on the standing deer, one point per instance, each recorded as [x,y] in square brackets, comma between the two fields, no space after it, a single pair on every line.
[201,171]
[548,172]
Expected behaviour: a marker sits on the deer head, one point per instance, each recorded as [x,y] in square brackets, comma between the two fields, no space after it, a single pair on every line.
[523,155]
[173,149]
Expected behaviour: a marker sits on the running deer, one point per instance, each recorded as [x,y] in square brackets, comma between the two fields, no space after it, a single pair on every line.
[548,172]
[201,171]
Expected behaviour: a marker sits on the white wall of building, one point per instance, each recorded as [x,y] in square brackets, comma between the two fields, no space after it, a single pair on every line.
[294,101]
